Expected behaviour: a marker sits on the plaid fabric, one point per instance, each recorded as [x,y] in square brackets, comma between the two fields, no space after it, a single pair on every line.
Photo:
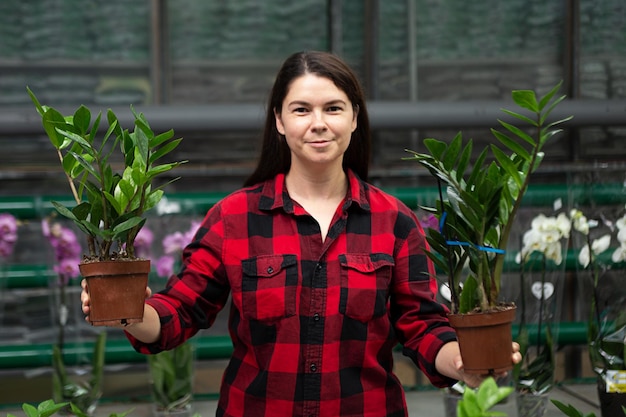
[313,323]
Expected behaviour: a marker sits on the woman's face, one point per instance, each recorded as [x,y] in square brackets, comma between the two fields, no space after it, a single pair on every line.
[317,120]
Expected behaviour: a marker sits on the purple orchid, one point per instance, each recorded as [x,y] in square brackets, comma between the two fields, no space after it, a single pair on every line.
[165,265]
[8,234]
[173,245]
[67,250]
[143,243]
[429,221]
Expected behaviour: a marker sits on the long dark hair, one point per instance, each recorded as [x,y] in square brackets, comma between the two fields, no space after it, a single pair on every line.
[275,156]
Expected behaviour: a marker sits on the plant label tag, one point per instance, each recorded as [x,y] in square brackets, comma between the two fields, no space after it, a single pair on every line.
[615,381]
[548,290]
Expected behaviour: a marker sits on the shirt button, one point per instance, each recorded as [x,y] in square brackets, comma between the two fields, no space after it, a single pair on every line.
[318,267]
[316,317]
[270,269]
[313,367]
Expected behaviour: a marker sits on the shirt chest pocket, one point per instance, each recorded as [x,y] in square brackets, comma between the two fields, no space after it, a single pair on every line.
[365,282]
[269,287]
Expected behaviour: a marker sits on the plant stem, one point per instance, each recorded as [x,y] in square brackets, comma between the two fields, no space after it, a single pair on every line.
[506,230]
[542,301]
[91,246]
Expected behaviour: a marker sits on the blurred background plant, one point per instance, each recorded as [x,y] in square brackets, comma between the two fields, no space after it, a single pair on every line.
[542,252]
[171,372]
[8,235]
[606,331]
[83,391]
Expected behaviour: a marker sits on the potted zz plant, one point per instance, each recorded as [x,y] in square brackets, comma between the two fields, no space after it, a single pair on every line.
[476,210]
[109,206]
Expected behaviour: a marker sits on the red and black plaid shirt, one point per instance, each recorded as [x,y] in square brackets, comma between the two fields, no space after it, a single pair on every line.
[313,323]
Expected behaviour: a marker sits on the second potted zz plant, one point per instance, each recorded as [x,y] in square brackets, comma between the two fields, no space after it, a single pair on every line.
[476,211]
[109,207]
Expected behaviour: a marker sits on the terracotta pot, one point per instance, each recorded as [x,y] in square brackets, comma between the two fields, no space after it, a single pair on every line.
[117,290]
[485,340]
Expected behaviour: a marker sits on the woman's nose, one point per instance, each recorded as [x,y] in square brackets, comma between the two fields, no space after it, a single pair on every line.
[318,123]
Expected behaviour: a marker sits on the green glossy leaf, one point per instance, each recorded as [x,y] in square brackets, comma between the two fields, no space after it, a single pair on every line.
[82,120]
[435,147]
[525,99]
[519,133]
[468,297]
[162,138]
[40,109]
[546,98]
[94,129]
[127,185]
[114,123]
[117,201]
[53,120]
[463,161]
[507,165]
[160,169]
[127,225]
[569,410]
[523,118]
[164,150]
[82,210]
[142,140]
[153,198]
[452,153]
[64,211]
[85,163]
[71,166]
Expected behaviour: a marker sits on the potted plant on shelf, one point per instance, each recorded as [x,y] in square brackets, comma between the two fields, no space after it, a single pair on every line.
[606,331]
[109,204]
[542,251]
[476,210]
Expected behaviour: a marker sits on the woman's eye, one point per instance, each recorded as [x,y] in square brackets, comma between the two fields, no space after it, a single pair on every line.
[300,110]
[335,109]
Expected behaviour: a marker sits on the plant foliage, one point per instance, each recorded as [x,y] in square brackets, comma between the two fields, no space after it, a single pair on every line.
[172,377]
[110,205]
[482,198]
[478,403]
[83,395]
[571,411]
[49,408]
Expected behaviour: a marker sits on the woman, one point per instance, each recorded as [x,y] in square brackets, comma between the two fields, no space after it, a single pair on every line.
[327,273]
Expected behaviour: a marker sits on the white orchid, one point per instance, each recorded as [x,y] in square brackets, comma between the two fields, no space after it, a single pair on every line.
[579,221]
[597,247]
[602,244]
[544,236]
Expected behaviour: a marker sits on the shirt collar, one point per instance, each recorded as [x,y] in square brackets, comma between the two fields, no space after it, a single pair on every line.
[274,194]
